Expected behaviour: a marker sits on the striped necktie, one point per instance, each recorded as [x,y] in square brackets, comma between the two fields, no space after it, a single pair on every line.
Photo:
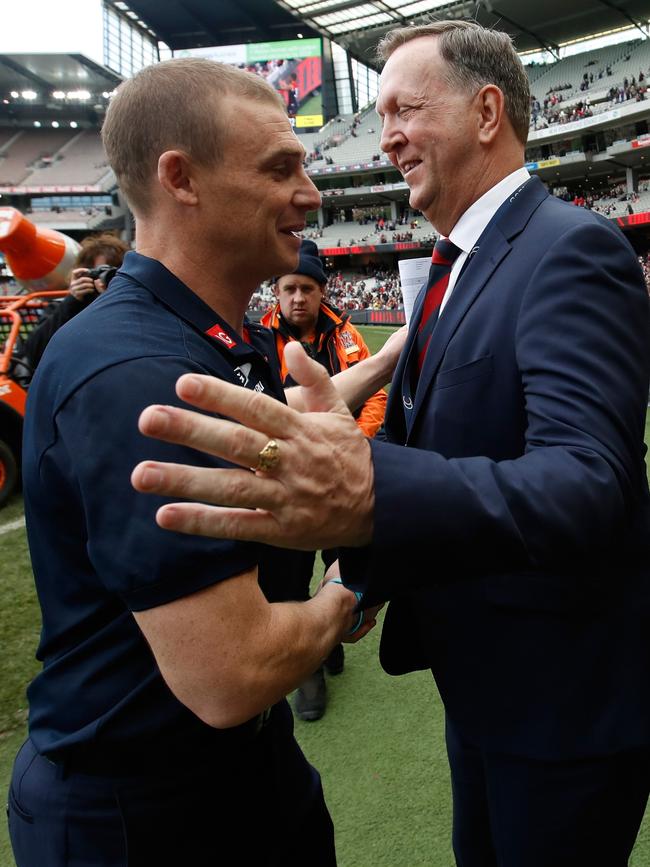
[445,254]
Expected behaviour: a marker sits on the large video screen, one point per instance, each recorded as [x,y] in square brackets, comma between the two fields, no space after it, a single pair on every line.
[294,67]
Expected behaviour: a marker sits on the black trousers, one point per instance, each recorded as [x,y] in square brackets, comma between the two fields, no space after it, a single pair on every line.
[266,807]
[517,812]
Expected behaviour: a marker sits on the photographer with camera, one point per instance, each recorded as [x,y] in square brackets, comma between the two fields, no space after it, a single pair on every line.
[90,281]
[97,262]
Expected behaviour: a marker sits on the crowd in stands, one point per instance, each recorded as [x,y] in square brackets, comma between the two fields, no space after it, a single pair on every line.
[379,237]
[552,110]
[375,289]
[384,231]
[604,201]
[378,289]
[629,89]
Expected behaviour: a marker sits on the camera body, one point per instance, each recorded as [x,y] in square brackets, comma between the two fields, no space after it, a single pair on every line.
[105,273]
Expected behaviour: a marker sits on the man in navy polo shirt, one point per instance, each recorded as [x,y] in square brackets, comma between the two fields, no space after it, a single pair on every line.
[158,730]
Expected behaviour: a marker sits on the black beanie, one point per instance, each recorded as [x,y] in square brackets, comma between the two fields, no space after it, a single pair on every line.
[310,264]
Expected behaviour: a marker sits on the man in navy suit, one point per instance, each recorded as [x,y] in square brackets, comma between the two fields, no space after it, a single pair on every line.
[507,517]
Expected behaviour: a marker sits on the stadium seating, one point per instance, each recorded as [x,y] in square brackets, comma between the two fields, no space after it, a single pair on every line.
[361,146]
[351,232]
[27,149]
[571,70]
[5,136]
[631,64]
[327,138]
[617,206]
[80,161]
[66,218]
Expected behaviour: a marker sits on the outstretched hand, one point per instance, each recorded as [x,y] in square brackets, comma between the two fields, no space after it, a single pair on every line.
[319,495]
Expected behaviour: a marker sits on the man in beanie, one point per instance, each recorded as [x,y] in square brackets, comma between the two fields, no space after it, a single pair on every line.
[302,314]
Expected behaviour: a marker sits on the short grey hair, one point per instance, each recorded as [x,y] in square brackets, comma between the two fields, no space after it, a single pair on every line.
[475,56]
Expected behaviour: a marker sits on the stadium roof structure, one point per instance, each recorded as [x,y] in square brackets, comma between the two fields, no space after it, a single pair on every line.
[183,24]
[54,80]
[48,72]
[359,24]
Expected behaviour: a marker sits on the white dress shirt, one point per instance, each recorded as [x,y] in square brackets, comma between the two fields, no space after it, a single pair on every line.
[470,226]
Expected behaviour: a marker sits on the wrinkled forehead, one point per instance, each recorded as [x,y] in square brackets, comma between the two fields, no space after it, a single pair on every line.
[411,70]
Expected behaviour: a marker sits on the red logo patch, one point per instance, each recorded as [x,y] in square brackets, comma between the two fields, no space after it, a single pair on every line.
[218,332]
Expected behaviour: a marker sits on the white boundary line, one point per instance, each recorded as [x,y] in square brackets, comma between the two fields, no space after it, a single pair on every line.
[12,525]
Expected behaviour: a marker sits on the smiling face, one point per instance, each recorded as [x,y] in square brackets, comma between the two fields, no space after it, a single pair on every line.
[429,131]
[256,198]
[299,297]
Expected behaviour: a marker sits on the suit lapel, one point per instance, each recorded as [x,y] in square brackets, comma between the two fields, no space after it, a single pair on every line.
[493,246]
[400,398]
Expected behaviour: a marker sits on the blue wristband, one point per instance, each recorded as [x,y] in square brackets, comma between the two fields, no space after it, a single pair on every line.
[359,595]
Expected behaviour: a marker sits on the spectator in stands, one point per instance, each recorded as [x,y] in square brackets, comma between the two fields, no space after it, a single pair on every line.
[513,474]
[327,335]
[96,250]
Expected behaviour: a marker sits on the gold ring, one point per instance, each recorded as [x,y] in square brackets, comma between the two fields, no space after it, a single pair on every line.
[269,457]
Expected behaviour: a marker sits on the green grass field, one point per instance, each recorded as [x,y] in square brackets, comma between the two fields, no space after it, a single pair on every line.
[380,746]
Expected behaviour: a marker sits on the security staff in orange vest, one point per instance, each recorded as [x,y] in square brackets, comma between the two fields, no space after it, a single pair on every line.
[302,314]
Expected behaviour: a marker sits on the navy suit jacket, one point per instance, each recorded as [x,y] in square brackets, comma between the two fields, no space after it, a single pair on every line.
[513,533]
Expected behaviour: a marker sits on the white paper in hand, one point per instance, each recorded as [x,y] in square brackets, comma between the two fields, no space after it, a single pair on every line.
[413,273]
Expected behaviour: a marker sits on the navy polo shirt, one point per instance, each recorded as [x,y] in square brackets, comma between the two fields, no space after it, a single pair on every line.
[96,550]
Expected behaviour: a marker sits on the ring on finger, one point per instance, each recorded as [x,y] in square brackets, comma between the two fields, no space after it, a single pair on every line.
[269,457]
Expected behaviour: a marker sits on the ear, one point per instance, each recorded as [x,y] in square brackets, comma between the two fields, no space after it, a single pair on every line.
[491,112]
[176,178]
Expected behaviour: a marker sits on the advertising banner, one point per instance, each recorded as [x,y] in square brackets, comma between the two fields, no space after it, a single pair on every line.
[293,66]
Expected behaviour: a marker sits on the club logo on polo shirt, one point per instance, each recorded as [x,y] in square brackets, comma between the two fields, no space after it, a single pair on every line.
[242,373]
[218,332]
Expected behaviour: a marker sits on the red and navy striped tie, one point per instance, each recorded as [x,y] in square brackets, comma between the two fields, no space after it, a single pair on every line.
[445,254]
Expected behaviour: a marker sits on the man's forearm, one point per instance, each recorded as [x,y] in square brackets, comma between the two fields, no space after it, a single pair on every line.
[299,636]
[226,653]
[354,385]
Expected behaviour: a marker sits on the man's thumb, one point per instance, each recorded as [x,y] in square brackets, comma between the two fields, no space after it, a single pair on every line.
[318,393]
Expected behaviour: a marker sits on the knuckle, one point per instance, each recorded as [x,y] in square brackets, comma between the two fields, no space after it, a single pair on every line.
[198,521]
[237,487]
[188,426]
[184,483]
[249,401]
[240,445]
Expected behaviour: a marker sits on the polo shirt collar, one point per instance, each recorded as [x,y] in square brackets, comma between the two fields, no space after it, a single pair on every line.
[187,305]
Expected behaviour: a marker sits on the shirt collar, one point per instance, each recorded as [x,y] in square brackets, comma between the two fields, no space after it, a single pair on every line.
[187,305]
[470,226]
